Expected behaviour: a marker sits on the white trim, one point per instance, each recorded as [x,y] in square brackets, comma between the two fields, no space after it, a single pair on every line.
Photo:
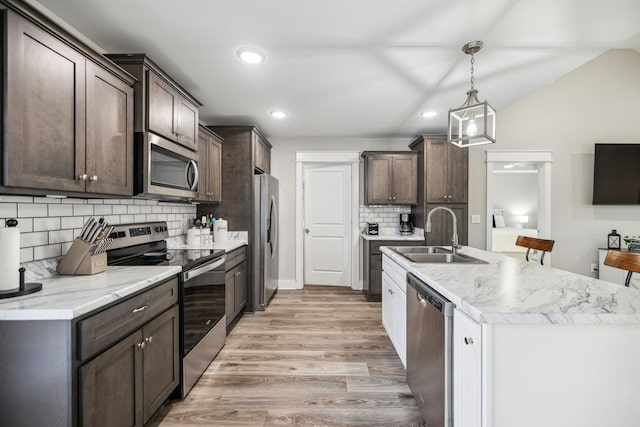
[288,285]
[305,157]
[544,159]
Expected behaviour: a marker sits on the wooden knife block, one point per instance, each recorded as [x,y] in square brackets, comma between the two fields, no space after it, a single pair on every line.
[80,259]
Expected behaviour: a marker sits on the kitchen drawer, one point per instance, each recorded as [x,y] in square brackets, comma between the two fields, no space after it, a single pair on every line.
[235,257]
[395,273]
[101,330]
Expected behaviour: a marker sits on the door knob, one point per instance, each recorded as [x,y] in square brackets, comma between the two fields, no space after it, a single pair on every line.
[306,230]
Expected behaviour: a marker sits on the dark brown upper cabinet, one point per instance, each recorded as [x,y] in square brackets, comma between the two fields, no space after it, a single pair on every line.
[262,153]
[162,106]
[390,178]
[443,171]
[69,114]
[210,166]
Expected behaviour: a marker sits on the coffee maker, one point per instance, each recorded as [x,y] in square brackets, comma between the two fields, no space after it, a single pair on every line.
[406,227]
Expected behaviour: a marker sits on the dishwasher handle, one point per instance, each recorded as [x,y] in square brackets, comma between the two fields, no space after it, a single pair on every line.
[427,295]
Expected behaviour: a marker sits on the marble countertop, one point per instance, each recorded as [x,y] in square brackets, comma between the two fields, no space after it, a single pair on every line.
[69,297]
[393,236]
[235,240]
[507,290]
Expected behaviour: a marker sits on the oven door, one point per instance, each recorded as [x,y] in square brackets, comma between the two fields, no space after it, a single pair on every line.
[173,169]
[202,301]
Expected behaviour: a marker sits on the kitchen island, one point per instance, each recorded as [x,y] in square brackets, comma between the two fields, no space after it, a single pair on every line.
[535,346]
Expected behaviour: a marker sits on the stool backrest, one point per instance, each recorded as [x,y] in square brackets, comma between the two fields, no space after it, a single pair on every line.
[629,261]
[544,245]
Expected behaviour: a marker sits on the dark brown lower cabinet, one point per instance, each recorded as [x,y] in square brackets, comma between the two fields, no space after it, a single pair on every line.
[372,265]
[126,384]
[65,373]
[235,282]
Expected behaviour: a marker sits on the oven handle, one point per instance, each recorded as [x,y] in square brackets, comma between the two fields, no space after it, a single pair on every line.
[192,274]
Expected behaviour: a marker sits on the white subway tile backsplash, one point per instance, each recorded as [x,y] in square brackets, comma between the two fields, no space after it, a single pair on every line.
[48,251]
[8,210]
[71,222]
[46,224]
[33,239]
[26,254]
[83,210]
[16,199]
[119,209]
[32,210]
[25,225]
[61,236]
[125,219]
[102,210]
[72,201]
[60,210]
[387,217]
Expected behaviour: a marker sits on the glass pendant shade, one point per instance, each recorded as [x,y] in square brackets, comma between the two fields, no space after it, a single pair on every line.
[474,123]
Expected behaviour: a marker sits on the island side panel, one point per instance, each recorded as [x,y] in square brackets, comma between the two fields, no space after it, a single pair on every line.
[563,375]
[35,373]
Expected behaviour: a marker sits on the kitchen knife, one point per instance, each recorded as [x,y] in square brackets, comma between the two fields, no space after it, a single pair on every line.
[104,239]
[85,230]
[95,230]
[92,229]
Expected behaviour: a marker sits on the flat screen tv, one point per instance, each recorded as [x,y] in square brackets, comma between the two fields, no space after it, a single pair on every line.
[616,174]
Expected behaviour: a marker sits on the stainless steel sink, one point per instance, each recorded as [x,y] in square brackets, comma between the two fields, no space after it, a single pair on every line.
[421,250]
[434,255]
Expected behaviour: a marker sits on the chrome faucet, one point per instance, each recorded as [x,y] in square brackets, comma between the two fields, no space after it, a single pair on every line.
[454,240]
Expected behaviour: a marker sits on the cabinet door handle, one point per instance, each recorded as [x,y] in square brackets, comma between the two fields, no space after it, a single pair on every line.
[93,178]
[83,177]
[140,309]
[141,345]
[468,340]
[389,198]
[394,197]
[149,339]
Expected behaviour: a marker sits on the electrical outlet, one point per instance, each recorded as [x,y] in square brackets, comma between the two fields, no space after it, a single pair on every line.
[594,268]
[475,219]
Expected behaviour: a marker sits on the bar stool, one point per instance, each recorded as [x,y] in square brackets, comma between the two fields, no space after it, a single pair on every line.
[543,245]
[624,260]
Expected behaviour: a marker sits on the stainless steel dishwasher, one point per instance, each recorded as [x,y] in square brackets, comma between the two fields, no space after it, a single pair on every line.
[429,352]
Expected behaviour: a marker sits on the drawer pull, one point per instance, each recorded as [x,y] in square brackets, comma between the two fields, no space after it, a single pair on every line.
[140,309]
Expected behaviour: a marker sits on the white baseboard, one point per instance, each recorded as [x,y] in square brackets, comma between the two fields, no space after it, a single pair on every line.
[359,286]
[288,285]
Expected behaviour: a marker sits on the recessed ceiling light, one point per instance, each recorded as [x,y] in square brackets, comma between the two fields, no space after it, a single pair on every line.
[509,166]
[278,114]
[428,114]
[251,55]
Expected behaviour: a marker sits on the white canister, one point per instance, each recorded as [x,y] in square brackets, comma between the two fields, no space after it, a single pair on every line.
[220,230]
[193,236]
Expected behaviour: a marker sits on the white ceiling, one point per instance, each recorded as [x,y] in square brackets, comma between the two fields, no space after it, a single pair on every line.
[355,68]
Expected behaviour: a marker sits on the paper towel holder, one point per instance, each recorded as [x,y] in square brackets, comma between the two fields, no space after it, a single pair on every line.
[23,289]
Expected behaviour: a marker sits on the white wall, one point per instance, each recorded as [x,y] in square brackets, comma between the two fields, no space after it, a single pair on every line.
[517,195]
[283,167]
[598,102]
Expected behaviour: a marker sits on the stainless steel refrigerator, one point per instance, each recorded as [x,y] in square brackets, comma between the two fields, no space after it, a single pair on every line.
[265,244]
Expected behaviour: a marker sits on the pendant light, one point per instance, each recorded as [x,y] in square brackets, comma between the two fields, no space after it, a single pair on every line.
[474,123]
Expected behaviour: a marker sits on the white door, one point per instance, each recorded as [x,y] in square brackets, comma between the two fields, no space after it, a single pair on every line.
[327,225]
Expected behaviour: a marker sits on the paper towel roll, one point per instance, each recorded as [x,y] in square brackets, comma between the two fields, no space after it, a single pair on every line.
[220,230]
[9,258]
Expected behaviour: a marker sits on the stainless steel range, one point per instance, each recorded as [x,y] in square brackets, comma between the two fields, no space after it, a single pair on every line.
[202,291]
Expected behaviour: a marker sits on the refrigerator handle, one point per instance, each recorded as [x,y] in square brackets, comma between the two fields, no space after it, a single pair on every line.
[272,226]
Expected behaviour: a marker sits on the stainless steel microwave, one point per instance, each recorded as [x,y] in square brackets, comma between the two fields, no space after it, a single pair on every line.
[165,170]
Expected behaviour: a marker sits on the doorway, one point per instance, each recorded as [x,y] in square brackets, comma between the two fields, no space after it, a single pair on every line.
[327,223]
[518,199]
[327,235]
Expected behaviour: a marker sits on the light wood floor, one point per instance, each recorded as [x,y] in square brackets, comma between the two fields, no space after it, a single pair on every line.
[315,357]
